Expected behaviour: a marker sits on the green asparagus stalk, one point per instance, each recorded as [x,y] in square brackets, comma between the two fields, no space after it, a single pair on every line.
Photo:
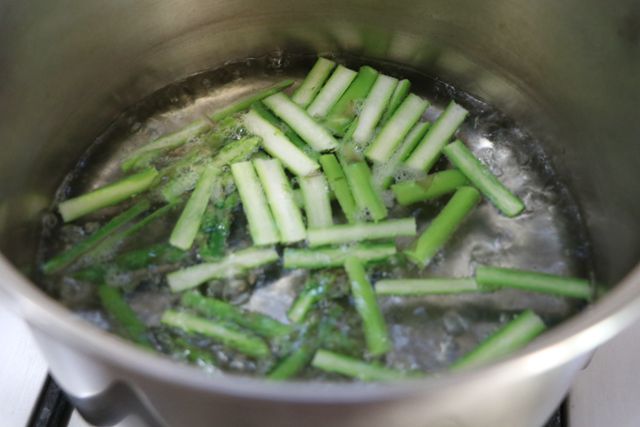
[368,199]
[64,259]
[429,286]
[509,338]
[339,185]
[395,130]
[495,277]
[480,176]
[317,201]
[429,188]
[126,320]
[280,197]
[331,92]
[216,225]
[346,109]
[223,311]
[240,341]
[375,328]
[292,364]
[186,229]
[397,97]
[232,264]
[318,138]
[428,151]
[254,203]
[313,82]
[372,110]
[276,143]
[348,366]
[346,233]
[335,256]
[107,196]
[443,226]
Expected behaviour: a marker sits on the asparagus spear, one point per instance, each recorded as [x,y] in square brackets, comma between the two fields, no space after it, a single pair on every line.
[254,203]
[373,108]
[339,185]
[480,176]
[309,130]
[399,94]
[335,256]
[317,201]
[368,199]
[255,322]
[351,367]
[64,259]
[195,275]
[443,226]
[509,338]
[280,197]
[429,286]
[216,225]
[375,328]
[186,229]
[383,173]
[313,82]
[244,343]
[394,131]
[126,320]
[331,92]
[107,196]
[343,112]
[425,156]
[361,231]
[276,144]
[292,364]
[176,139]
[429,188]
[495,277]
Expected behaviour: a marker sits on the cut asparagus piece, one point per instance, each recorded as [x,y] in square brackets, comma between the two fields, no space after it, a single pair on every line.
[394,131]
[368,199]
[276,144]
[355,368]
[176,139]
[347,107]
[318,138]
[399,94]
[428,152]
[495,277]
[429,286]
[313,82]
[372,110]
[346,233]
[186,229]
[108,195]
[266,114]
[333,257]
[317,202]
[280,197]
[244,343]
[311,294]
[64,259]
[255,322]
[216,225]
[383,173]
[331,92]
[509,338]
[195,275]
[481,177]
[292,364]
[339,185]
[254,203]
[375,328]
[125,319]
[429,188]
[443,226]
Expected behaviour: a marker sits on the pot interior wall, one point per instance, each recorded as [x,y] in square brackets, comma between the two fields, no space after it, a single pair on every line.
[566,70]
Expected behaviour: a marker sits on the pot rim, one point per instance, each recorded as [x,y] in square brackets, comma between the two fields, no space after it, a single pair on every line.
[574,337]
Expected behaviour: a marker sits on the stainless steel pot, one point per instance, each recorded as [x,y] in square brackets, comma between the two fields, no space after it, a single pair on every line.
[568,70]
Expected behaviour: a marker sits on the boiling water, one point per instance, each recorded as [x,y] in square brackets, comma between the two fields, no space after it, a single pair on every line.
[428,333]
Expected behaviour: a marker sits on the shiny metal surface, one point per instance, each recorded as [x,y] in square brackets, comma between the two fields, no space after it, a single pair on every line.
[565,69]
